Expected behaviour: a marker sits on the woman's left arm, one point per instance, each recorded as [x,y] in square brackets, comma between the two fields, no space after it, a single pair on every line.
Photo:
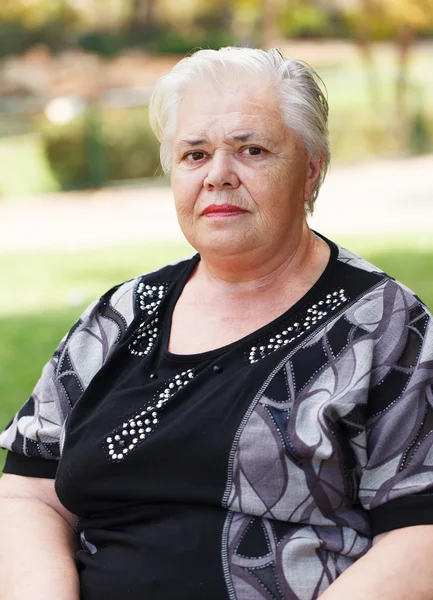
[396,473]
[399,566]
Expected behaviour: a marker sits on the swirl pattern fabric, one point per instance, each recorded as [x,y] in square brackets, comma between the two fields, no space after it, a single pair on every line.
[343,426]
[38,428]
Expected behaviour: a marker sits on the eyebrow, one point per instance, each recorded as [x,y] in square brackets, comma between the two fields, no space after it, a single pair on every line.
[251,135]
[193,143]
[242,137]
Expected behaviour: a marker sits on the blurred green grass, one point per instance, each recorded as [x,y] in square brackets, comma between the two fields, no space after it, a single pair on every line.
[46,292]
[24,168]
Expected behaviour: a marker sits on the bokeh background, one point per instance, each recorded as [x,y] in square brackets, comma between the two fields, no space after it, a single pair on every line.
[83,202]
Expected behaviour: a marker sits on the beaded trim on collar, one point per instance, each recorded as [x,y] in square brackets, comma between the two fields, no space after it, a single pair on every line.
[306,320]
[145,338]
[149,298]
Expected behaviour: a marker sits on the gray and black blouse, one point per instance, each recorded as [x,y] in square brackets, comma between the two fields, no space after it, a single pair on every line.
[257,471]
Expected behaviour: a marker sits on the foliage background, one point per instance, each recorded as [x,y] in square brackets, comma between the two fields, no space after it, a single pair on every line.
[374,55]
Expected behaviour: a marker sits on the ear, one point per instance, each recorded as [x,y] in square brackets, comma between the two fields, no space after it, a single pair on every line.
[313,173]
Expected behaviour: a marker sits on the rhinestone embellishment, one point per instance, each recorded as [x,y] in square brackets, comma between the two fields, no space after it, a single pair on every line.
[145,338]
[150,296]
[313,315]
[149,299]
[120,443]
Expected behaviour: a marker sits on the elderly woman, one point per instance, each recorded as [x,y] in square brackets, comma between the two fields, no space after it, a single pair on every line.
[253,423]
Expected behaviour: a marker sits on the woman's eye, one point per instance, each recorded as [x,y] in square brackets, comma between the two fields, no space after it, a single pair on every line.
[253,151]
[195,156]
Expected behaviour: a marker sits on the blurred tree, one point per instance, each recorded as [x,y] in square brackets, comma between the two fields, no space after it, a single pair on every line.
[246,22]
[408,18]
[226,15]
[305,18]
[192,23]
[142,16]
[36,13]
[363,38]
[399,20]
[272,20]
[25,23]
[216,16]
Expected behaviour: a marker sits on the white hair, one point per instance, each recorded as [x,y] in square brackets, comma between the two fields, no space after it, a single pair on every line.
[304,104]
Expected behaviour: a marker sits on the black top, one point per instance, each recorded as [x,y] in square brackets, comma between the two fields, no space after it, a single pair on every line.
[155,515]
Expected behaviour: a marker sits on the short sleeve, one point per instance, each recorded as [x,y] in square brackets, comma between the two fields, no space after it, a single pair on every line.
[396,485]
[34,436]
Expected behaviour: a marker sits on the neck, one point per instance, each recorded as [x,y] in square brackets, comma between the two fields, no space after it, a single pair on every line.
[261,269]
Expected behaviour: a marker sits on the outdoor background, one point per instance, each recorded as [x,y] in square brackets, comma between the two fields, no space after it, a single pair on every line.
[83,203]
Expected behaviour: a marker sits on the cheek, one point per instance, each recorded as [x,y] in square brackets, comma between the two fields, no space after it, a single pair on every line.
[186,188]
[288,181]
[278,194]
[267,185]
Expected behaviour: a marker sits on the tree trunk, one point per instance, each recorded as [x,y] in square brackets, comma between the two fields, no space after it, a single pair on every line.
[404,42]
[404,46]
[271,22]
[365,45]
[365,48]
[226,16]
[142,15]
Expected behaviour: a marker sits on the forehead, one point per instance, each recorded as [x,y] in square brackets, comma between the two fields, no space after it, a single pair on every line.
[233,105]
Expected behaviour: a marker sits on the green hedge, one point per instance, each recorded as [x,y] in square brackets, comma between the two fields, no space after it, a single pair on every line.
[103,146]
[119,145]
[368,135]
[56,34]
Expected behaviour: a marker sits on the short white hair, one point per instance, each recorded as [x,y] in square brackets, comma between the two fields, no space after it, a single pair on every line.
[303,101]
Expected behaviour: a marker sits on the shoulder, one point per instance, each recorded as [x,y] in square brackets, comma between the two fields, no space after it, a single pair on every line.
[387,316]
[108,321]
[38,428]
[139,293]
[374,283]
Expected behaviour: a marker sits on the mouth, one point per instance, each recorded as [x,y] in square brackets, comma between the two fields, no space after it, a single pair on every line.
[223,210]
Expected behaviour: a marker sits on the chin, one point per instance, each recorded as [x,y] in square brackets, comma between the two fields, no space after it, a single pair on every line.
[220,244]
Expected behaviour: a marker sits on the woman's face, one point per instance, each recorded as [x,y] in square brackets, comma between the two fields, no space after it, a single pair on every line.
[240,177]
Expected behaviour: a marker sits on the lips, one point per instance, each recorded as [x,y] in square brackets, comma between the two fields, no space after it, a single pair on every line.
[222,210]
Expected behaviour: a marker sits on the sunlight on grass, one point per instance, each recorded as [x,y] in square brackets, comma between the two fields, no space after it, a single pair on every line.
[24,169]
[41,281]
[408,259]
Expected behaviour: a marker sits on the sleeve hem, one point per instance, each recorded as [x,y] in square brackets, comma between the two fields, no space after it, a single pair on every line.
[17,464]
[402,512]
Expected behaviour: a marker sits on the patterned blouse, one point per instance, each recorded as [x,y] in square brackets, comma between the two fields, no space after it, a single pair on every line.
[257,471]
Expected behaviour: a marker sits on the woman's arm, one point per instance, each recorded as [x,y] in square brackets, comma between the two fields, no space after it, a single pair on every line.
[38,542]
[399,566]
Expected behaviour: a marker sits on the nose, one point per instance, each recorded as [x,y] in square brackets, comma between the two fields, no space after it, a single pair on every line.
[221,174]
